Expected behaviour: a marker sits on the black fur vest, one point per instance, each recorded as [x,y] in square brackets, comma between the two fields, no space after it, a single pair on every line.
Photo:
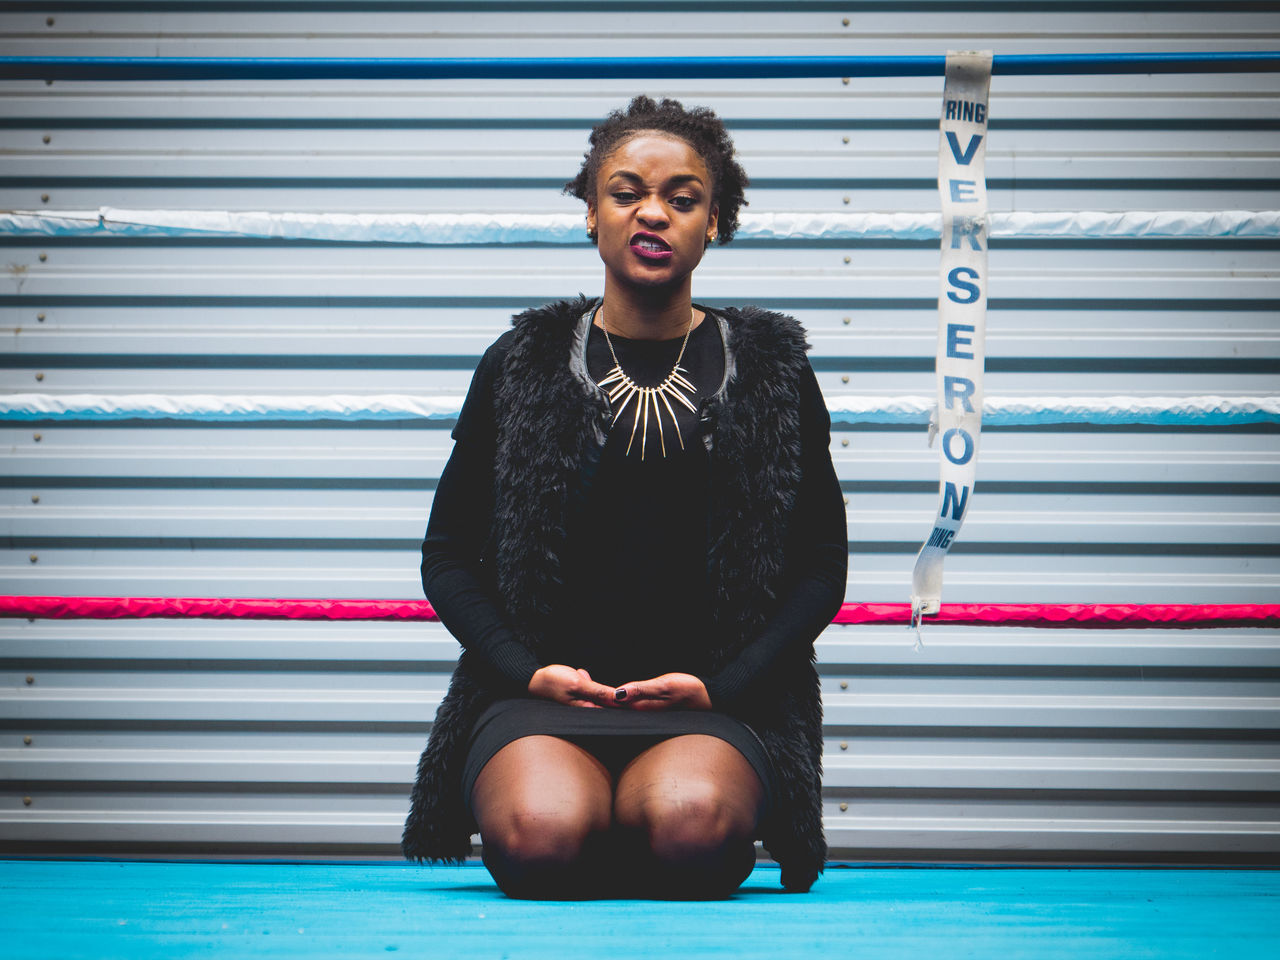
[550,433]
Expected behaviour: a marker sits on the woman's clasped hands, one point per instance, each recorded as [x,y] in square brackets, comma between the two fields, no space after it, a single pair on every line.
[670,691]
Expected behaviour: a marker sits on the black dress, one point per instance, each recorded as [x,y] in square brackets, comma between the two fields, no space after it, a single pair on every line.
[636,572]
[636,601]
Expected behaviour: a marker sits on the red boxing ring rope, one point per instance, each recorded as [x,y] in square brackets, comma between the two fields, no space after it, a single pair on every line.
[1102,615]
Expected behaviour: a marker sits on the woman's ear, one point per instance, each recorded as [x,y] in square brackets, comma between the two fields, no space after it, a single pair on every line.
[591,220]
[712,224]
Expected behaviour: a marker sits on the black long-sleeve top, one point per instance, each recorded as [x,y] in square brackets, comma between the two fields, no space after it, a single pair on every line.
[635,602]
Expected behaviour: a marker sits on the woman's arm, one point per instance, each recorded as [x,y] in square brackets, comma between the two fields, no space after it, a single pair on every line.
[452,557]
[819,560]
[457,531]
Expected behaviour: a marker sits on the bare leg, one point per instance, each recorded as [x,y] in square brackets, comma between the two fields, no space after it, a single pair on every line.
[544,807]
[691,805]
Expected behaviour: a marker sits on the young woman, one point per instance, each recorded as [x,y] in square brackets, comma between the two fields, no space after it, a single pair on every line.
[636,540]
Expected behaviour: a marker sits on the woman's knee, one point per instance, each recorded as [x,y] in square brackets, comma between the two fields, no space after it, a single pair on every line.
[692,845]
[689,820]
[539,802]
[692,805]
[532,835]
[541,855]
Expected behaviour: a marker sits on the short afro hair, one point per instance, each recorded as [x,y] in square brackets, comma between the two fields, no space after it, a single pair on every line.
[699,127]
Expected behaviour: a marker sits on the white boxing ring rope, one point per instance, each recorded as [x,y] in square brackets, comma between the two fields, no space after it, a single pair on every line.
[566,228]
[845,410]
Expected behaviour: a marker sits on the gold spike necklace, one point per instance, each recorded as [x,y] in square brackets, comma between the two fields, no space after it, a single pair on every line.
[621,387]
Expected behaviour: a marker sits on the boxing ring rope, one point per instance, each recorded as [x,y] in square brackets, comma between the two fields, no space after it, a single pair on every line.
[614,68]
[845,411]
[1101,615]
[453,229]
[555,228]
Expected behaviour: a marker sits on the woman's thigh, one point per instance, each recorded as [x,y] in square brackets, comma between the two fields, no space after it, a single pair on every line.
[691,779]
[542,783]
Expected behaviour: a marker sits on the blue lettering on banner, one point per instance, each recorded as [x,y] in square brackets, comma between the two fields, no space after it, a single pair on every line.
[957,502]
[967,110]
[955,341]
[963,158]
[966,228]
[954,278]
[950,435]
[957,388]
[941,537]
[962,191]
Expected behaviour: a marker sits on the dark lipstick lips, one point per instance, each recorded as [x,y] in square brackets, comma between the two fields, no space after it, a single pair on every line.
[651,236]
[651,246]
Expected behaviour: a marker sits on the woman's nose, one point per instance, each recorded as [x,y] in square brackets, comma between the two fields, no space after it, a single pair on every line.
[651,212]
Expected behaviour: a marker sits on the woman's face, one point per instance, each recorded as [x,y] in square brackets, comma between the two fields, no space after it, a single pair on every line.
[653,213]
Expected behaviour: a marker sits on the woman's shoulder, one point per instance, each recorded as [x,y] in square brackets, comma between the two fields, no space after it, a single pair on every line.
[554,316]
[492,360]
[756,331]
[550,320]
[527,351]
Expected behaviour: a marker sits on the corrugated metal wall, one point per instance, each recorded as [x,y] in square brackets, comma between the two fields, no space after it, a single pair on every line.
[291,737]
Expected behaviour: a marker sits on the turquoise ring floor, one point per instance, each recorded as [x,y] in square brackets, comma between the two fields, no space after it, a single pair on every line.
[100,909]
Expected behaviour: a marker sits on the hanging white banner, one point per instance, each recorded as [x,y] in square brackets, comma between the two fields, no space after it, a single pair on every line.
[962,311]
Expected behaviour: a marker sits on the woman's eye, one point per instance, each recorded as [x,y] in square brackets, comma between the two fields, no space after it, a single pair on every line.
[624,196]
[684,202]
